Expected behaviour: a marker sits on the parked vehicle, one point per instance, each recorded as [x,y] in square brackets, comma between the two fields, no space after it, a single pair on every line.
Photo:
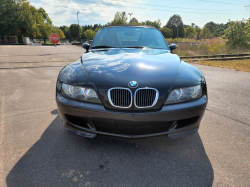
[129,84]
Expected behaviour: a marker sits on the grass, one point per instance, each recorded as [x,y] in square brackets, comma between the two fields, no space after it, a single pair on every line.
[238,65]
[172,40]
[211,40]
[212,46]
[209,49]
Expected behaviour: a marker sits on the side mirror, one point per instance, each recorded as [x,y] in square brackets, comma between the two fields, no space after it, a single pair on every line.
[86,46]
[172,47]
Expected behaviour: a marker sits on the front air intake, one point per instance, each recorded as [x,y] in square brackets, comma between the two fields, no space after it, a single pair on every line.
[146,97]
[120,97]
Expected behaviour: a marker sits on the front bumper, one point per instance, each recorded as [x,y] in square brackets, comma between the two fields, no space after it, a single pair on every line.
[88,120]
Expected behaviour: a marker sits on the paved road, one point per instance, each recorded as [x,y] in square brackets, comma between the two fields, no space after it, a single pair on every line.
[37,56]
[36,151]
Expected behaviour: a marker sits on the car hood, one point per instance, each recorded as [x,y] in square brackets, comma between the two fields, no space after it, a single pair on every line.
[117,67]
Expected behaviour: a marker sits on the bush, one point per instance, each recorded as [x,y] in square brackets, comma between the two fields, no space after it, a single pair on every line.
[190,32]
[247,32]
[90,34]
[205,33]
[166,32]
[237,34]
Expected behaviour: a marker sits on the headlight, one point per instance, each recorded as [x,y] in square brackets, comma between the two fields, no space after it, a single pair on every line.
[80,93]
[184,94]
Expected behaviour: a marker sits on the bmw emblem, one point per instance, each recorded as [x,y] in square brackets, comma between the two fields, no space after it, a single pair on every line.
[133,84]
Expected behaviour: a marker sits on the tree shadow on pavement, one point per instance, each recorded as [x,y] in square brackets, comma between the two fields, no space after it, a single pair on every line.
[62,159]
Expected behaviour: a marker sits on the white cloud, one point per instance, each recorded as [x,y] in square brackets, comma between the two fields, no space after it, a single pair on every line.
[63,12]
[91,11]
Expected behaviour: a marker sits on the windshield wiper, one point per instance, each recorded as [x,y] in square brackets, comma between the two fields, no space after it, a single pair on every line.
[137,47]
[101,46]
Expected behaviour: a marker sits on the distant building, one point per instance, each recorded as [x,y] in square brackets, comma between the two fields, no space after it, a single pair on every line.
[10,39]
[14,39]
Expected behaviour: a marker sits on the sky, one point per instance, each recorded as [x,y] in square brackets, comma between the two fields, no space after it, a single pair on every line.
[64,12]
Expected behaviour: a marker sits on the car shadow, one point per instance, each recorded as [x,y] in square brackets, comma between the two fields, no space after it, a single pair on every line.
[62,159]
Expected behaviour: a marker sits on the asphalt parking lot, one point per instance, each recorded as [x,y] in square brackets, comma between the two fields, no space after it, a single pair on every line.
[35,150]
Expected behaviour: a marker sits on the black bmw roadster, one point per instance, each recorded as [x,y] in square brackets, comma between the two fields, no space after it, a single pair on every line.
[129,84]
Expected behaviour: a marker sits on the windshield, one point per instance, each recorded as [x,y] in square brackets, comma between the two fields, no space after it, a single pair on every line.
[129,37]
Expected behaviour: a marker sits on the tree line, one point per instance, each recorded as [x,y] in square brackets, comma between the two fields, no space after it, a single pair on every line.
[19,18]
[235,32]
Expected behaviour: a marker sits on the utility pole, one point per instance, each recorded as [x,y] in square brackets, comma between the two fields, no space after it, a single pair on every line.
[247,7]
[78,27]
[176,28]
[130,15]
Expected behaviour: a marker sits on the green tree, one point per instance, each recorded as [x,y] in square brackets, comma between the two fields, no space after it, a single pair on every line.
[215,29]
[211,27]
[97,29]
[190,32]
[133,21]
[167,32]
[44,31]
[45,16]
[96,26]
[15,18]
[120,18]
[46,27]
[54,29]
[74,30]
[236,33]
[197,29]
[36,21]
[175,23]
[193,25]
[247,32]
[12,16]
[6,20]
[90,34]
[18,17]
[23,22]
[65,30]
[205,33]
[60,34]
[156,24]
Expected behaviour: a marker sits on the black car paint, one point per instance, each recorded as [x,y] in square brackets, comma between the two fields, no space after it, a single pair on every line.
[86,46]
[172,47]
[155,68]
[102,69]
[98,112]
